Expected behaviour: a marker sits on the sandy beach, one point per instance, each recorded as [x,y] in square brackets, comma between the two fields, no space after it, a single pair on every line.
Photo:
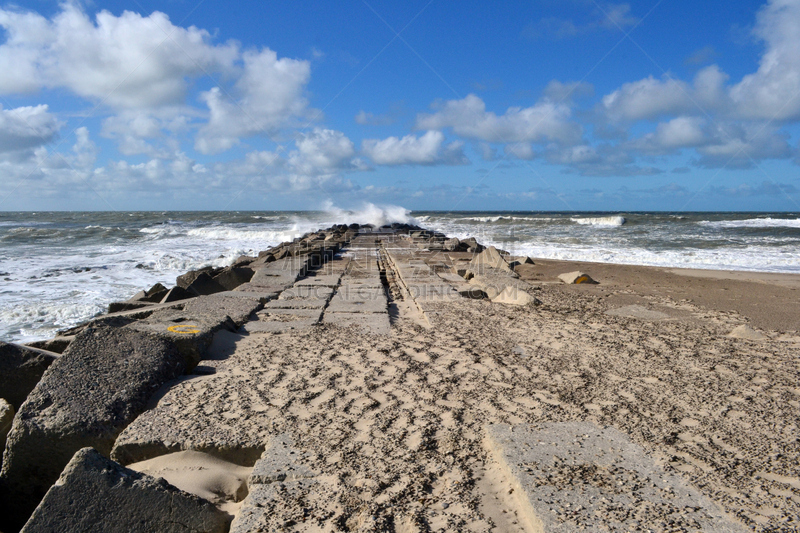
[396,426]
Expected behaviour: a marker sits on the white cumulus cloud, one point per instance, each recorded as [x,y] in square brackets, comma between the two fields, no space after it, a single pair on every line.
[427,149]
[265,98]
[544,122]
[27,127]
[126,61]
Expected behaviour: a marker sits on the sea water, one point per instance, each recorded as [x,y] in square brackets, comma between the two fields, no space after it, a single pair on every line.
[58,269]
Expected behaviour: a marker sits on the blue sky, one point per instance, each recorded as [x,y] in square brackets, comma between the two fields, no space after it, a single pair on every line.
[549,105]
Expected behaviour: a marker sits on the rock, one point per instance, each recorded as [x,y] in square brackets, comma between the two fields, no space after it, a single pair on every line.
[473,293]
[116,307]
[203,285]
[242,261]
[232,277]
[95,494]
[56,345]
[577,277]
[156,293]
[471,245]
[176,294]
[21,368]
[527,272]
[87,397]
[184,280]
[451,245]
[514,296]
[514,262]
[488,259]
[746,332]
[6,418]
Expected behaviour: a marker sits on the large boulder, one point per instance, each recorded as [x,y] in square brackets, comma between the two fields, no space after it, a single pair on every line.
[101,383]
[490,260]
[21,368]
[232,277]
[203,285]
[6,418]
[95,494]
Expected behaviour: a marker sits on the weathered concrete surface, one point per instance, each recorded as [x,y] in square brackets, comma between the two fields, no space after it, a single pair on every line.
[6,418]
[294,293]
[375,323]
[190,332]
[576,476]
[514,296]
[94,494]
[221,306]
[277,326]
[297,303]
[323,280]
[576,278]
[21,368]
[280,479]
[86,398]
[280,462]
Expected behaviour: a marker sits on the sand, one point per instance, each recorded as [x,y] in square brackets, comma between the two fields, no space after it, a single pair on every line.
[396,425]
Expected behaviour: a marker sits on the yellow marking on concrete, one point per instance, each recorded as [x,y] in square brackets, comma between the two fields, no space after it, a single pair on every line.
[185,329]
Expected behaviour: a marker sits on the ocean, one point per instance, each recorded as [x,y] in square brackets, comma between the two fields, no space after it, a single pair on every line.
[58,269]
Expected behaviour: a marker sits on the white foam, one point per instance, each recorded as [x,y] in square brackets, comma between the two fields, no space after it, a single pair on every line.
[600,221]
[377,215]
[753,223]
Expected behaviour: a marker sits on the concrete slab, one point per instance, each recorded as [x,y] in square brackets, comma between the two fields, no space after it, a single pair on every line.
[376,304]
[320,293]
[432,291]
[262,297]
[272,290]
[324,280]
[101,383]
[258,326]
[350,283]
[297,303]
[356,292]
[376,323]
[237,309]
[281,461]
[286,315]
[576,476]
[94,494]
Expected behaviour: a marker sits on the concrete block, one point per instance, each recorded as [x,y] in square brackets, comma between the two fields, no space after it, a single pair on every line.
[279,314]
[321,293]
[376,323]
[21,368]
[87,397]
[219,306]
[576,476]
[377,304]
[281,461]
[323,280]
[258,326]
[514,296]
[95,494]
[6,418]
[262,297]
[297,303]
[576,278]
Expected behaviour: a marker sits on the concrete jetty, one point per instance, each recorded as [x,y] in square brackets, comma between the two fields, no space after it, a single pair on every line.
[355,379]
